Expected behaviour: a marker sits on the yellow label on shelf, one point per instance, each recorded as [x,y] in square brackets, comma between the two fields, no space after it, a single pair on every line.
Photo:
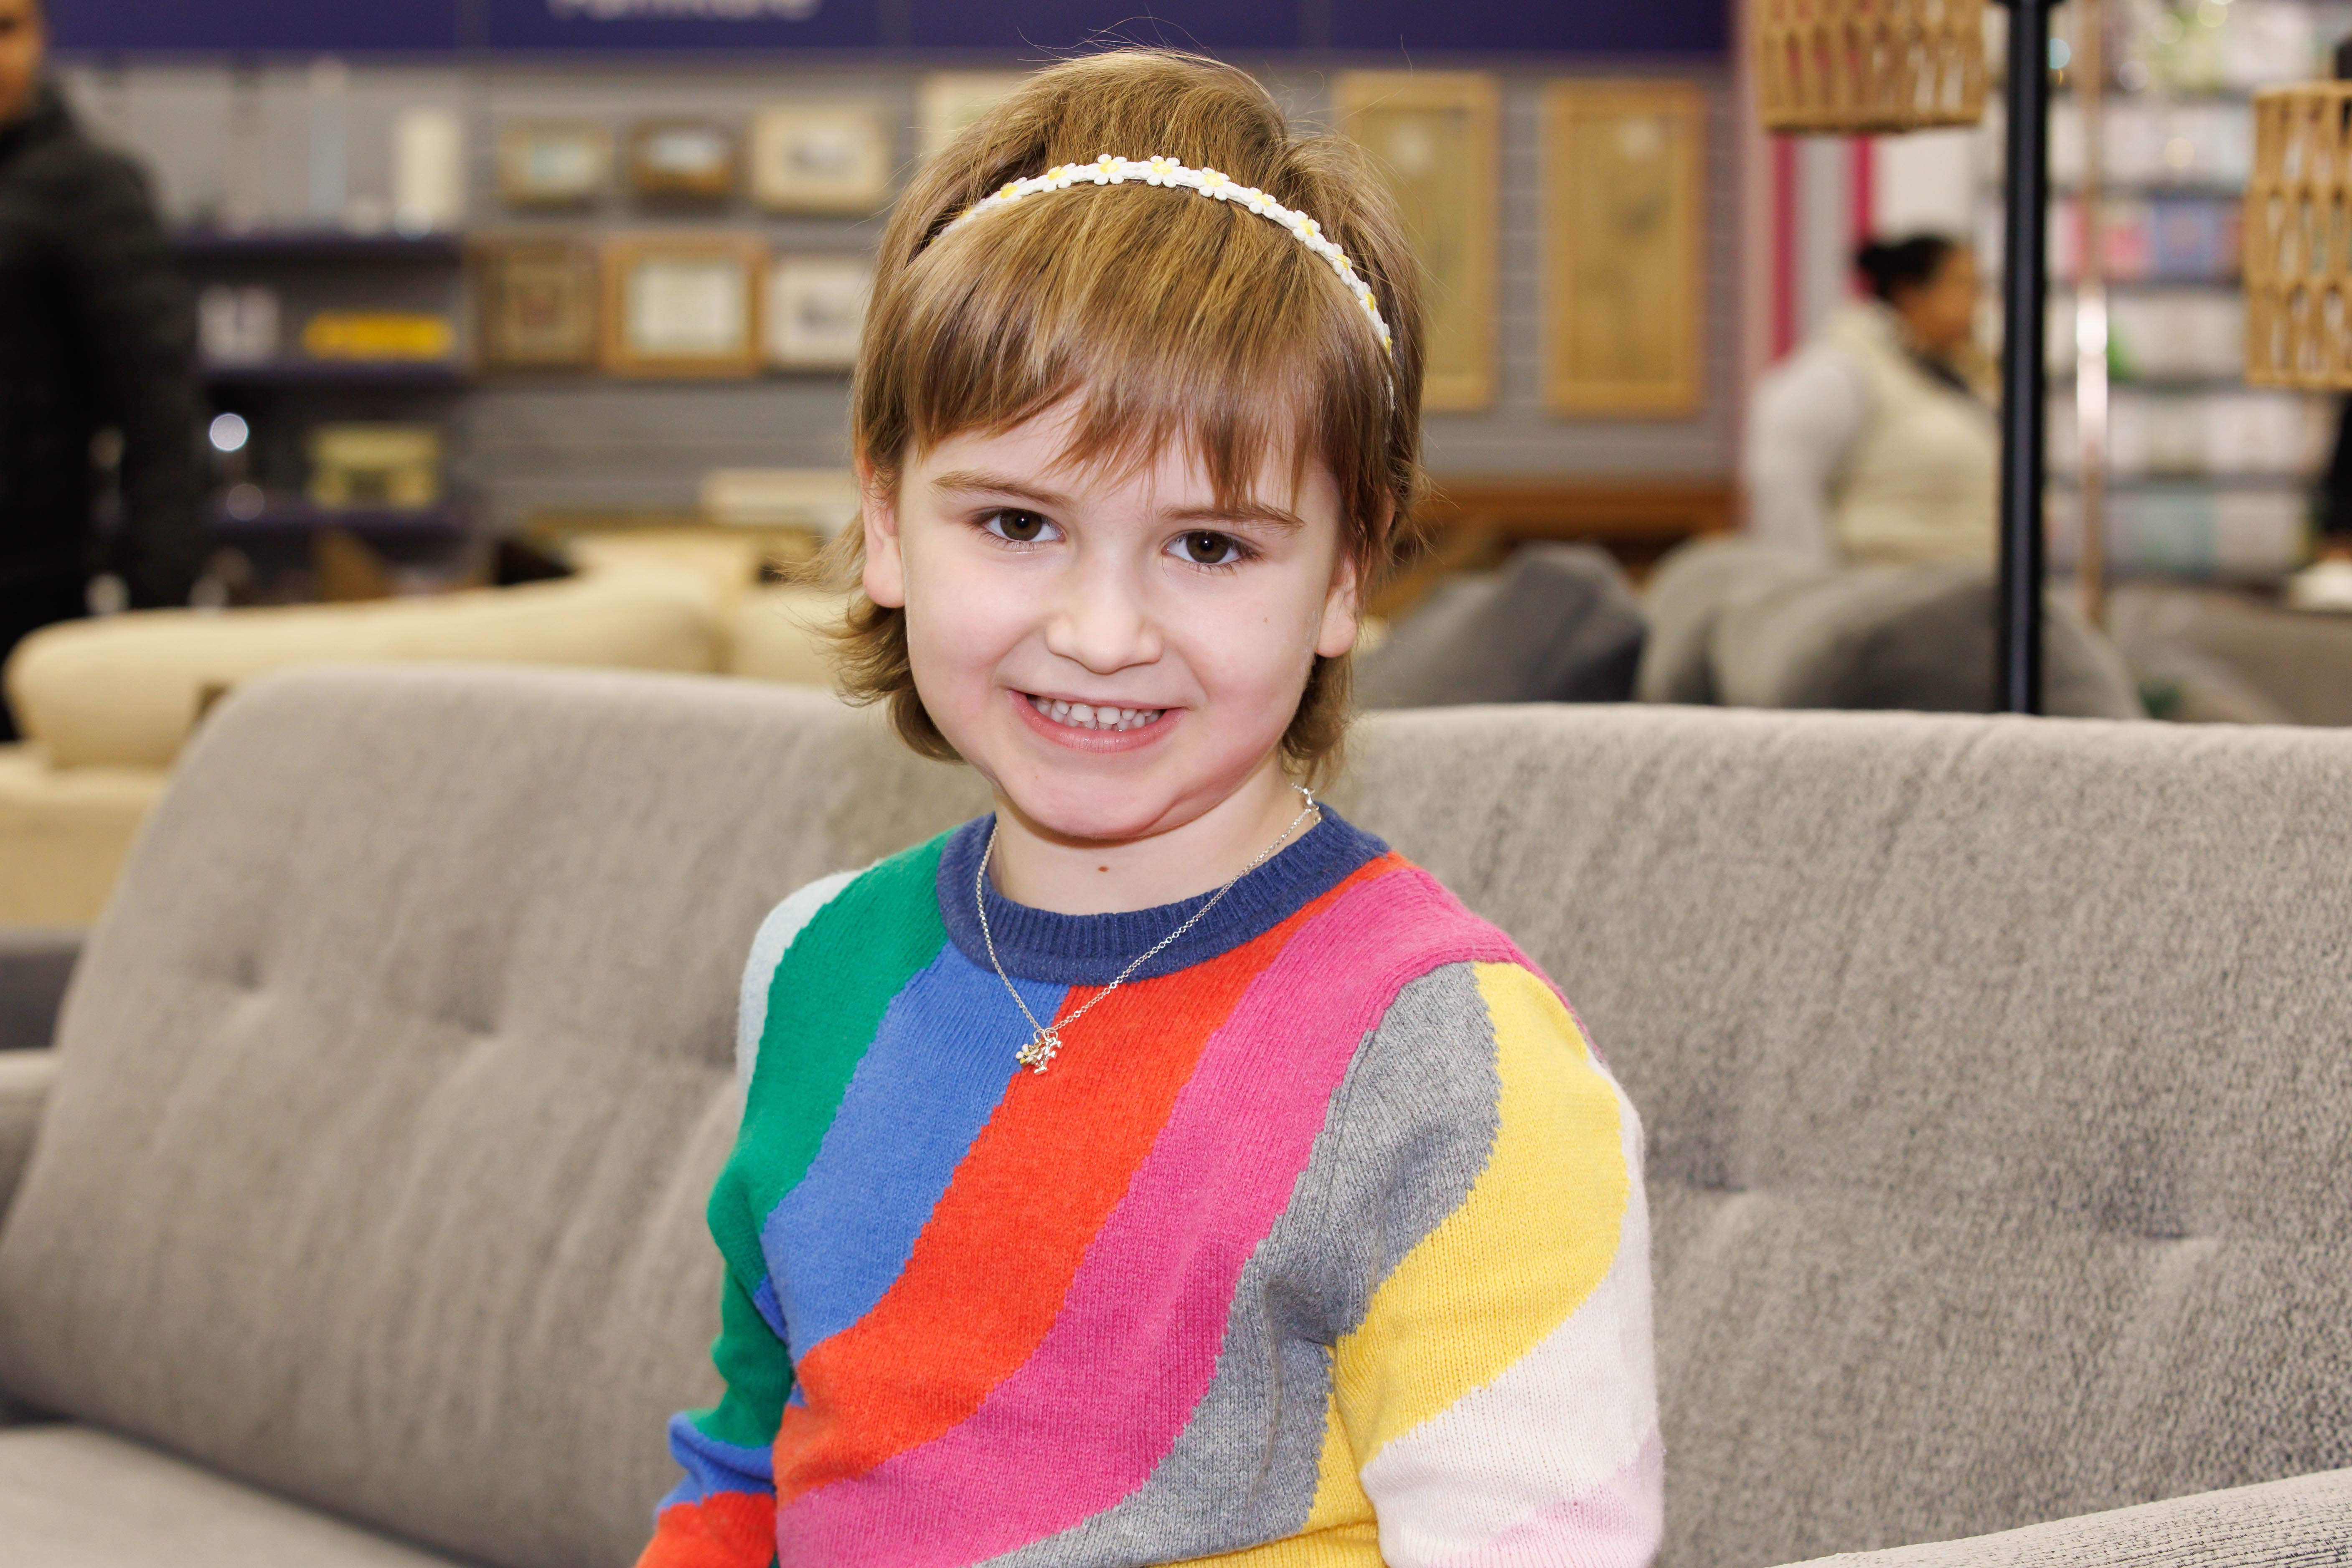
[369,334]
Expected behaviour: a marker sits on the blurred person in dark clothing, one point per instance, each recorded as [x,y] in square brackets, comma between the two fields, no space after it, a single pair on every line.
[96,331]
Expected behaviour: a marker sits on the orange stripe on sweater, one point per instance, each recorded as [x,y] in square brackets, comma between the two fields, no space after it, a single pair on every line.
[990,1267]
[725,1530]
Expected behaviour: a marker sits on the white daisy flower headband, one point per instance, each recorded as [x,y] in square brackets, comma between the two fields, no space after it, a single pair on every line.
[1110,170]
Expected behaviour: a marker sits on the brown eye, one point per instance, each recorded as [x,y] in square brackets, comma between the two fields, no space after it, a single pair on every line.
[1204,547]
[1020,527]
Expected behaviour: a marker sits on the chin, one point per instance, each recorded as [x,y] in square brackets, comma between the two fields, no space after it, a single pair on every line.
[1103,811]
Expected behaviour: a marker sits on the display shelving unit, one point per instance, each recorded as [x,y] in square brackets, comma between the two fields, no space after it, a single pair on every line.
[2206,477]
[283,393]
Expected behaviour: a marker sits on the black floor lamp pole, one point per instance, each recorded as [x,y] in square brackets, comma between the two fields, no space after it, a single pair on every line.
[2024,287]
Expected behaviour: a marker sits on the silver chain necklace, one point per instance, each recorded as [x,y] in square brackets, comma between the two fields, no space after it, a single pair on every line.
[1044,1039]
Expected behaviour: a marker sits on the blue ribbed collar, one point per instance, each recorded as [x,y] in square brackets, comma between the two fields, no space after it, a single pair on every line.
[1090,950]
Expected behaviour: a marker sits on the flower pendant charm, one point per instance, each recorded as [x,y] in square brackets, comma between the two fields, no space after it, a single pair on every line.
[1040,1048]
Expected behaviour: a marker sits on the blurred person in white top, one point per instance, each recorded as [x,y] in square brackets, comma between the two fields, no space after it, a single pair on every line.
[1870,444]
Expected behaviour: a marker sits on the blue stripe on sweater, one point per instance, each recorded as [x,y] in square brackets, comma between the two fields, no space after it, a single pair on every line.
[919,1098]
[713,1466]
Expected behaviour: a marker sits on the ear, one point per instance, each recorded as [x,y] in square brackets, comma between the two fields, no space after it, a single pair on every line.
[886,566]
[1336,634]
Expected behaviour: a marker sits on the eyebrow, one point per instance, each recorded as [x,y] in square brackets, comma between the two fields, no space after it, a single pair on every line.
[1248,511]
[972,481]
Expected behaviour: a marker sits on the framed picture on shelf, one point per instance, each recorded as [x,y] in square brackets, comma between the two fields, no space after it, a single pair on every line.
[821,158]
[815,309]
[683,304]
[1624,197]
[950,101]
[537,306]
[554,163]
[684,162]
[1433,135]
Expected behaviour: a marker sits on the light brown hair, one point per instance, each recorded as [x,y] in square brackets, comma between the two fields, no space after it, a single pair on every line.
[1168,315]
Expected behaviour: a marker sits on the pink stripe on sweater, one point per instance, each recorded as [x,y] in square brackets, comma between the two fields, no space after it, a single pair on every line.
[1617,1524]
[1088,1416]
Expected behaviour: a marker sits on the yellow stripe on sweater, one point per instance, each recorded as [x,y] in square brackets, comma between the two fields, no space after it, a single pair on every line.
[1530,1242]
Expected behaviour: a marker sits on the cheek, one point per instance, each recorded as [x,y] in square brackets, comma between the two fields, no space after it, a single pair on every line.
[1261,653]
[960,625]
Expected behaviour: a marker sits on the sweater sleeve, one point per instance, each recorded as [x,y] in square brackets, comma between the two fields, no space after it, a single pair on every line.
[723,1513]
[1498,1400]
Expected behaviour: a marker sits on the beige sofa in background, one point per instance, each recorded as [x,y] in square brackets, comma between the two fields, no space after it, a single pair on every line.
[107,705]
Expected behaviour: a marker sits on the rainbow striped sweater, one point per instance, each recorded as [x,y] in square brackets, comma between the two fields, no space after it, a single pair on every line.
[1322,1241]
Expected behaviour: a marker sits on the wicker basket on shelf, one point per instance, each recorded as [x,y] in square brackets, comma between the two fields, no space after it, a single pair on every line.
[1856,66]
[2298,230]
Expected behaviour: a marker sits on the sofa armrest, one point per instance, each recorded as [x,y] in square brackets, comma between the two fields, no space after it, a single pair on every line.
[2289,1524]
[25,1080]
[36,962]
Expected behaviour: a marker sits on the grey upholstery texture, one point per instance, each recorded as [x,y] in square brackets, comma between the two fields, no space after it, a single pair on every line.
[396,1080]
[25,1080]
[73,1498]
[1917,638]
[35,964]
[1999,1105]
[2305,1522]
[1557,623]
[1995,1080]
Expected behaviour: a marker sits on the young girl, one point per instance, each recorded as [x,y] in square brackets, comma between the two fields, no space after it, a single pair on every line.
[1158,1168]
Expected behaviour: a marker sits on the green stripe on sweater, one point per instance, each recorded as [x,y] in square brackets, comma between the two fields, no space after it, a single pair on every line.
[825,1003]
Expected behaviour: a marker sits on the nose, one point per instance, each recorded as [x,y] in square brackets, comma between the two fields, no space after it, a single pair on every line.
[1100,620]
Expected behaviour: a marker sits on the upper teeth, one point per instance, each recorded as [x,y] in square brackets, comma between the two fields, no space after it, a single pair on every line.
[1088,716]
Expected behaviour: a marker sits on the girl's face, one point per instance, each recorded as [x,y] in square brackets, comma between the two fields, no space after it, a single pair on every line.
[1114,653]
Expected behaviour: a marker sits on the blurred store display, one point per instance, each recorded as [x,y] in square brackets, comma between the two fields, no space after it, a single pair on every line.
[822,158]
[1858,66]
[685,163]
[554,163]
[397,466]
[2206,477]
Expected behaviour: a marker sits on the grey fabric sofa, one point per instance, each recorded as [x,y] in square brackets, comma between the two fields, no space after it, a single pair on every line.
[1999,1108]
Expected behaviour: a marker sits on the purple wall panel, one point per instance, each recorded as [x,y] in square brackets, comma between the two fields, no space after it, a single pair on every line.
[1212,26]
[340,25]
[1404,28]
[1547,26]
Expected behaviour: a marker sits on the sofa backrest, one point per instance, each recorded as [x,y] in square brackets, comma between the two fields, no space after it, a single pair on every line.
[1999,1108]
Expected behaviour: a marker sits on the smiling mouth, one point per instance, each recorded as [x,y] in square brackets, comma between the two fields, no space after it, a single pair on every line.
[1089,716]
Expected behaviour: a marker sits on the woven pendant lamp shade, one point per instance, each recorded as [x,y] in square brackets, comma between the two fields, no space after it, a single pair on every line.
[1856,66]
[2298,233]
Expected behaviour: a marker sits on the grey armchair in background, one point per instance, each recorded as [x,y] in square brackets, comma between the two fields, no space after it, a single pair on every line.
[1753,626]
[36,962]
[1558,623]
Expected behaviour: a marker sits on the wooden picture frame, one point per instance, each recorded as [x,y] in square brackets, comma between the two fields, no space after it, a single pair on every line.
[947,102]
[683,304]
[1624,219]
[684,162]
[554,163]
[1436,137]
[537,304]
[815,309]
[821,158]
